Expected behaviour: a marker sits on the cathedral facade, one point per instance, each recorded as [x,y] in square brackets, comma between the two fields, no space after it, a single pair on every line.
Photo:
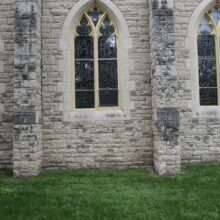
[109,84]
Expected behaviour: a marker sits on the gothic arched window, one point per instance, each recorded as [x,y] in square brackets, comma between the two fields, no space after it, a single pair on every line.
[96,78]
[209,58]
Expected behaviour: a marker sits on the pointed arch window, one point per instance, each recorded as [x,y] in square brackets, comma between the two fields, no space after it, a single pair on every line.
[209,57]
[95,77]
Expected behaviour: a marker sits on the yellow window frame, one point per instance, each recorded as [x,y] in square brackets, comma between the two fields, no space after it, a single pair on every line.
[95,34]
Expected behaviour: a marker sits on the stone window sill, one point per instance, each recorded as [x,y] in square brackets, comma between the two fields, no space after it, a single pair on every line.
[89,115]
[208,112]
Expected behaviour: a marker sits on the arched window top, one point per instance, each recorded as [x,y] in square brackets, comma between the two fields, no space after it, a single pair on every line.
[205,27]
[210,23]
[96,65]
[96,21]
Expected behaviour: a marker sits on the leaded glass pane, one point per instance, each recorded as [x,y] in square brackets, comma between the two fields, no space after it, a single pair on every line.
[207,73]
[85,99]
[108,98]
[95,15]
[207,60]
[206,46]
[108,77]
[84,78]
[215,13]
[107,47]
[208,96]
[84,29]
[107,29]
[205,28]
[84,47]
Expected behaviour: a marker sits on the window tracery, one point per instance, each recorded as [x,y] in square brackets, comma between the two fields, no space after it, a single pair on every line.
[96,78]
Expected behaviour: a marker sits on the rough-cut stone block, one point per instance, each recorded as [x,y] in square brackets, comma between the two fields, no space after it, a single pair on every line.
[163,124]
[21,118]
[27,89]
[167,123]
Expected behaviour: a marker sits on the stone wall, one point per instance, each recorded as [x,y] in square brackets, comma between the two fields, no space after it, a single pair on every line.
[96,144]
[161,121]
[199,130]
[6,81]
[166,119]
[27,120]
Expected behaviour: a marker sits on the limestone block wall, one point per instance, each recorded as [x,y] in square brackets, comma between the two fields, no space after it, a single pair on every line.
[161,121]
[6,81]
[109,142]
[27,120]
[199,130]
[164,88]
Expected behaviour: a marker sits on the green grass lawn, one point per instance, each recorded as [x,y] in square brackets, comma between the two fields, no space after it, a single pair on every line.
[104,195]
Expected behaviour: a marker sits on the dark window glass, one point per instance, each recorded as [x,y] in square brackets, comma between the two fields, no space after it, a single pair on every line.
[108,98]
[207,65]
[107,29]
[84,64]
[205,27]
[85,99]
[84,47]
[84,29]
[107,47]
[208,96]
[206,46]
[95,15]
[84,78]
[207,72]
[108,77]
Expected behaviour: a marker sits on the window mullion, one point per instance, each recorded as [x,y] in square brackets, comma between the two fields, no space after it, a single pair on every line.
[73,63]
[96,69]
[119,75]
[218,66]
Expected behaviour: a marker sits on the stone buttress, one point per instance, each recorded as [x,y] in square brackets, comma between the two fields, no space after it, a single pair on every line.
[166,119]
[27,120]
